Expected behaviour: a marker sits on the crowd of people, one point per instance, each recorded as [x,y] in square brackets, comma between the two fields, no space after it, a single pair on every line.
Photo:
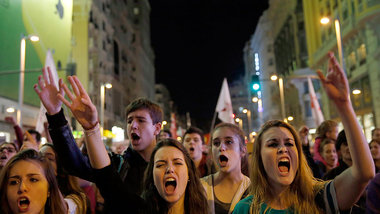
[285,172]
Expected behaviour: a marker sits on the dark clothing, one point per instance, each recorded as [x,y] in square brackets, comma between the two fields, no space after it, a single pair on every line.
[317,173]
[336,171]
[359,206]
[130,166]
[19,136]
[116,194]
[206,167]
[373,195]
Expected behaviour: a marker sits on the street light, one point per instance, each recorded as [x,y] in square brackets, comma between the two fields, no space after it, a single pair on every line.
[163,124]
[356,91]
[240,122]
[325,21]
[102,97]
[32,38]
[10,110]
[248,112]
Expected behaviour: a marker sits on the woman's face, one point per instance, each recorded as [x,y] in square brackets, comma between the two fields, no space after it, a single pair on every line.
[375,150]
[226,150]
[279,155]
[27,188]
[170,174]
[329,154]
[49,154]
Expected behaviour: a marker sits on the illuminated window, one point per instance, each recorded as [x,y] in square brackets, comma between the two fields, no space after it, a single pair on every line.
[352,60]
[362,54]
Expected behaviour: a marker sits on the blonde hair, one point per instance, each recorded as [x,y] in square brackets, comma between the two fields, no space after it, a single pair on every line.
[302,191]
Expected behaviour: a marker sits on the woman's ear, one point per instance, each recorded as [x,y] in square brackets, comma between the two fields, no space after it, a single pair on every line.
[243,151]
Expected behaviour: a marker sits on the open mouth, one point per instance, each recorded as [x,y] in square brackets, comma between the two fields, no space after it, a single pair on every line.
[23,204]
[170,185]
[223,160]
[134,136]
[284,165]
[3,157]
[191,149]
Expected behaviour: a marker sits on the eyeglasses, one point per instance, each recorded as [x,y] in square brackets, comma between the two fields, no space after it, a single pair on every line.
[8,149]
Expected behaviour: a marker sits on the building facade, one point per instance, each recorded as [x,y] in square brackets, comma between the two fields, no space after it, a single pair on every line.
[360,35]
[278,47]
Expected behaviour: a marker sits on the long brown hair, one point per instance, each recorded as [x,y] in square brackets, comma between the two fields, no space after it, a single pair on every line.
[54,203]
[68,185]
[195,199]
[302,191]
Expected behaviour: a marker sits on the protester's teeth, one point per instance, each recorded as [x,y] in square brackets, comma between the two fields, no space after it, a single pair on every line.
[170,179]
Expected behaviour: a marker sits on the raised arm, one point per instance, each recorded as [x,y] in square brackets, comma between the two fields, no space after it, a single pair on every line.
[86,114]
[73,160]
[351,183]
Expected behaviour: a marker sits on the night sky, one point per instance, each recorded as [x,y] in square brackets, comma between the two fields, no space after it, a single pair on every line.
[196,44]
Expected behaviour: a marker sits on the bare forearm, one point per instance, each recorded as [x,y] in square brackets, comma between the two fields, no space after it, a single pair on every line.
[96,150]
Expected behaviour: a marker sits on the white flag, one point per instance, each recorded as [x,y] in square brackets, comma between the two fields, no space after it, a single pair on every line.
[315,109]
[49,62]
[224,105]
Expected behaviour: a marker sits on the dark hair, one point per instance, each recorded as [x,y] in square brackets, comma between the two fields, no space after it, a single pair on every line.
[54,203]
[324,143]
[341,140]
[38,135]
[325,127]
[12,144]
[195,199]
[195,130]
[154,109]
[240,133]
[167,132]
[374,141]
[67,184]
[373,131]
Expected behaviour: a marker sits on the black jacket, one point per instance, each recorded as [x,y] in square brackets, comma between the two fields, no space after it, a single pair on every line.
[130,166]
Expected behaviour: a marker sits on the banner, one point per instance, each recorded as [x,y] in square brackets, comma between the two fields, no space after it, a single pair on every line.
[173,126]
[224,104]
[315,109]
[41,119]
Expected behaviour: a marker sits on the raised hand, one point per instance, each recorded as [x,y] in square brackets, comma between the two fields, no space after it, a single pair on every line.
[11,120]
[29,143]
[335,83]
[81,106]
[303,133]
[48,92]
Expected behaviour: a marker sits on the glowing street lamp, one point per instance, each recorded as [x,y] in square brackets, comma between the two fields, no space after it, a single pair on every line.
[325,21]
[356,91]
[240,122]
[273,77]
[290,118]
[10,110]
[102,98]
[32,38]
[248,112]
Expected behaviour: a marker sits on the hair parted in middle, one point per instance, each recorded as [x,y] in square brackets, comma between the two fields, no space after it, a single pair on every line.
[195,199]
[304,187]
